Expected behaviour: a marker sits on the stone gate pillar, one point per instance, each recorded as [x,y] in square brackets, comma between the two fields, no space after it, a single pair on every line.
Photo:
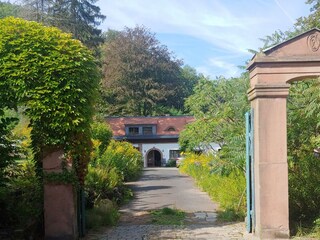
[60,214]
[270,160]
[270,72]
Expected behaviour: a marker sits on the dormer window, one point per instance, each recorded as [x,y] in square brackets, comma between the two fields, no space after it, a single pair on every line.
[145,130]
[133,130]
[171,129]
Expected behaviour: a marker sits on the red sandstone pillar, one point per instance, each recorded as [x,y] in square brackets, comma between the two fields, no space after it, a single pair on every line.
[270,160]
[60,214]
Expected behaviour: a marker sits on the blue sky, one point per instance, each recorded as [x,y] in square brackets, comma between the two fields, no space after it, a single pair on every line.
[213,36]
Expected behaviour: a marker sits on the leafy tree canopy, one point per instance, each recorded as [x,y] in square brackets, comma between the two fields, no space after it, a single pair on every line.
[219,107]
[55,78]
[141,76]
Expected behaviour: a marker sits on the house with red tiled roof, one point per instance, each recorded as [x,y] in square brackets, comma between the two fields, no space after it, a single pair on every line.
[155,137]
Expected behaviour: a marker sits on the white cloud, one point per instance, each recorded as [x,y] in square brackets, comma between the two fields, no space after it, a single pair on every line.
[233,26]
[215,21]
[216,67]
[205,71]
[230,69]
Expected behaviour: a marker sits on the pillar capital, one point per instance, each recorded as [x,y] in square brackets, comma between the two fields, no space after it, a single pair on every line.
[268,91]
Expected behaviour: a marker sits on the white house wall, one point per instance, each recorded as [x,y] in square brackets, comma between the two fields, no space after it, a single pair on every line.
[164,149]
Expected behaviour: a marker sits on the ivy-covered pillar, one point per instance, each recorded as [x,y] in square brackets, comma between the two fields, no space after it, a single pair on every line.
[57,83]
[60,210]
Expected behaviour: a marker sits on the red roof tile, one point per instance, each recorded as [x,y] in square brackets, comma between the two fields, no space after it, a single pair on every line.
[163,123]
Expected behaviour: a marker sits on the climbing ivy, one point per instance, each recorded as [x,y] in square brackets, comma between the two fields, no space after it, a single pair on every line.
[55,78]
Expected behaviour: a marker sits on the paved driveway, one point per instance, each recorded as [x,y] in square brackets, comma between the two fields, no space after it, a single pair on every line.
[166,187]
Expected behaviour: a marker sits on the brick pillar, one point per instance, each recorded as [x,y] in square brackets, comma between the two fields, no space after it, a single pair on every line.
[270,160]
[60,214]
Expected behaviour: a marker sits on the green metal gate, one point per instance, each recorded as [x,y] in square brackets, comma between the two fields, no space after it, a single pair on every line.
[81,212]
[249,171]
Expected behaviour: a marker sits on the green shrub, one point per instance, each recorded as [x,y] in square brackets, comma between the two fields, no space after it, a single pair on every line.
[304,189]
[102,132]
[104,213]
[303,166]
[8,149]
[124,157]
[171,163]
[103,183]
[105,177]
[311,231]
[21,198]
[229,215]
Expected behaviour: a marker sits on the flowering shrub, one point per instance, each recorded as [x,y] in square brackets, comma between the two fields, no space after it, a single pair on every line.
[101,132]
[227,190]
[124,157]
[119,162]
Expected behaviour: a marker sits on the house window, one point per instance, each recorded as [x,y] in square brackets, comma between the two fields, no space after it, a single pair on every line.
[171,129]
[141,130]
[174,154]
[133,130]
[147,130]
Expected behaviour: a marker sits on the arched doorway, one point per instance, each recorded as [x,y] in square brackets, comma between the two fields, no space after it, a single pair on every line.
[271,73]
[154,158]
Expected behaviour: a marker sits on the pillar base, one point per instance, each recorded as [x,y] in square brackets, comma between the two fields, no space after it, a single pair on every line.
[273,234]
[60,212]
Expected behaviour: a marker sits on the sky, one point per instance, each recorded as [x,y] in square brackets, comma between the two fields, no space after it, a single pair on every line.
[212,36]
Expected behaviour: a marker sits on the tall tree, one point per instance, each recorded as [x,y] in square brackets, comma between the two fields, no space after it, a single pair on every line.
[34,10]
[141,76]
[79,17]
[312,20]
[8,9]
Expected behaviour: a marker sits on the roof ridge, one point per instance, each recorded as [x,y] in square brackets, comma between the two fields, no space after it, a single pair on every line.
[179,116]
